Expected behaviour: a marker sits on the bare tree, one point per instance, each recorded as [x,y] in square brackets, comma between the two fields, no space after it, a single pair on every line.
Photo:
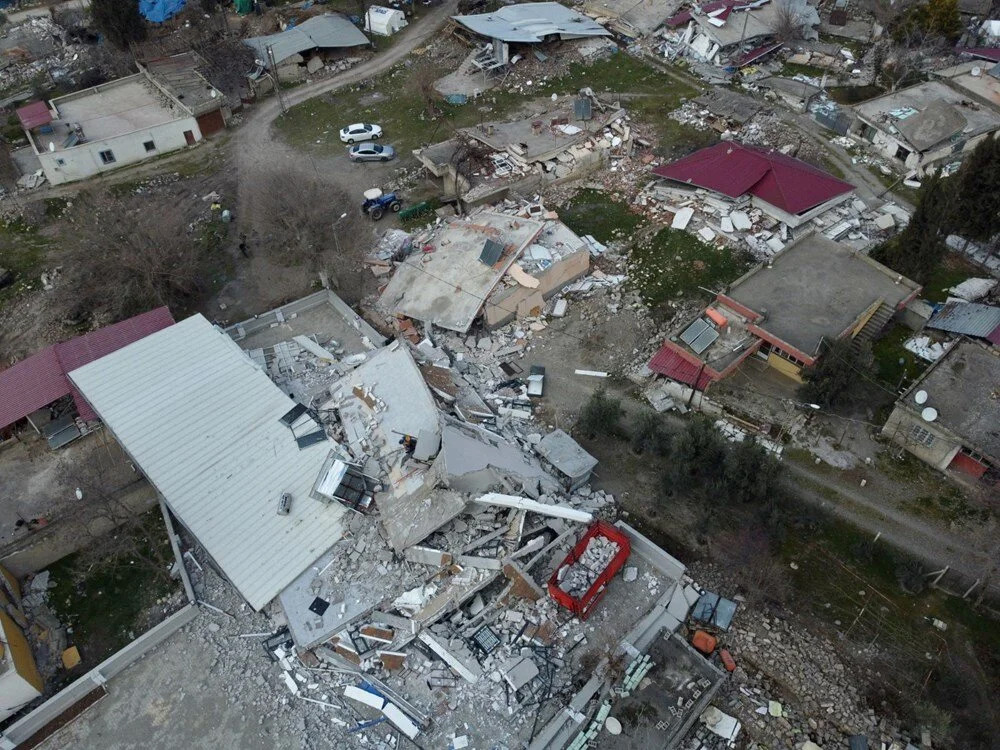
[788,22]
[114,519]
[310,222]
[747,554]
[125,255]
[424,77]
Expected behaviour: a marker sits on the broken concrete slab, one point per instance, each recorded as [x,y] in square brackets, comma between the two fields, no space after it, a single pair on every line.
[523,503]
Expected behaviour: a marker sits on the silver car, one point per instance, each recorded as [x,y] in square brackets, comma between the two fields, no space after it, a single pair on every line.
[371,151]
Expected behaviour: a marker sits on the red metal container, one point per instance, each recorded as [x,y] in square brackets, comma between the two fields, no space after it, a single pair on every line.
[583,606]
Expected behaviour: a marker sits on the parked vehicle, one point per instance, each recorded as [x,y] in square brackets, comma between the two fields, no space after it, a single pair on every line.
[377,203]
[371,151]
[360,131]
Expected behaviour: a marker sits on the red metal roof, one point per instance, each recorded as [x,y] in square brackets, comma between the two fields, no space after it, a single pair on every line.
[41,378]
[674,366]
[34,115]
[994,337]
[735,169]
[985,53]
[756,54]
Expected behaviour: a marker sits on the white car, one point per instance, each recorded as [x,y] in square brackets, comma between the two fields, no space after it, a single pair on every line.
[360,131]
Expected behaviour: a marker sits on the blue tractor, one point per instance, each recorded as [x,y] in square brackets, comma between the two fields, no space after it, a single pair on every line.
[377,203]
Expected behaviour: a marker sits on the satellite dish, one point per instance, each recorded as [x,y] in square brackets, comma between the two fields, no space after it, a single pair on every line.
[929,414]
[52,146]
[920,397]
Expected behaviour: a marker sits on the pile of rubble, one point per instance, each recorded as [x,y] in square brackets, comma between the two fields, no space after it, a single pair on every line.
[39,47]
[577,578]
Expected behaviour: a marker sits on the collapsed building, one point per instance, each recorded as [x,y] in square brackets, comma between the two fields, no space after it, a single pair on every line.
[501,265]
[487,162]
[733,33]
[788,189]
[301,50]
[433,567]
[931,123]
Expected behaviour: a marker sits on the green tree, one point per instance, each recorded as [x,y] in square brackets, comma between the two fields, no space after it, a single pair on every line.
[751,473]
[976,190]
[828,380]
[696,459]
[600,415]
[119,21]
[940,18]
[648,434]
[918,249]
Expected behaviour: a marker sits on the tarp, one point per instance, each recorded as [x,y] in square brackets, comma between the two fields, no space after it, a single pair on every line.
[243,6]
[158,11]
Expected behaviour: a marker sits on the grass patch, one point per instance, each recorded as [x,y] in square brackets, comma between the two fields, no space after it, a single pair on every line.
[596,213]
[893,363]
[394,102]
[104,602]
[22,251]
[953,269]
[673,263]
[853,94]
[832,167]
[895,184]
[790,70]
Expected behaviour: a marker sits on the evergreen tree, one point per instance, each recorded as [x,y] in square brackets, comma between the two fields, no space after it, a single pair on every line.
[918,249]
[829,379]
[977,193]
[119,21]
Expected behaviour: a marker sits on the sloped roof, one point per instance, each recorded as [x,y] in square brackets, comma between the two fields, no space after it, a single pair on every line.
[41,378]
[203,423]
[329,31]
[532,22]
[984,53]
[668,362]
[34,115]
[968,318]
[735,169]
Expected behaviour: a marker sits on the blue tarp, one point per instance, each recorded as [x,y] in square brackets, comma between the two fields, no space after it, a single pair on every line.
[159,11]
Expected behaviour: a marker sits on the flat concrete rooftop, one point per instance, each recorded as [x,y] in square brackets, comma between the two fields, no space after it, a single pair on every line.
[448,284]
[964,387]
[536,138]
[107,111]
[817,288]
[973,78]
[979,118]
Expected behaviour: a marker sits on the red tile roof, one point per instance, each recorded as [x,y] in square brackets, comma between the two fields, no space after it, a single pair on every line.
[41,378]
[33,115]
[735,169]
[674,366]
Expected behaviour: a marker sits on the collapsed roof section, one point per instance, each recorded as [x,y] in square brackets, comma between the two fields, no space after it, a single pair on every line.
[532,23]
[206,428]
[329,31]
[778,181]
[447,283]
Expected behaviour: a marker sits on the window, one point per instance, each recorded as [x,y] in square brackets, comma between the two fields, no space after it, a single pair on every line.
[107,157]
[785,355]
[920,435]
[61,162]
[149,146]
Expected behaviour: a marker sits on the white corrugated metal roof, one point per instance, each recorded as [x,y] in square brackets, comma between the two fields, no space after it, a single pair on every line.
[201,420]
[532,22]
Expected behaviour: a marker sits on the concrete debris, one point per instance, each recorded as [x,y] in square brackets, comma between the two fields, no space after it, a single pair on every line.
[926,349]
[576,579]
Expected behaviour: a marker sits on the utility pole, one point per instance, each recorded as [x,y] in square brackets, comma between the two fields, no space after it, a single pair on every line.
[274,78]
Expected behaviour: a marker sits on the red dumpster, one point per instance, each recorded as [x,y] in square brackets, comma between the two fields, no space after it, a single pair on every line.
[583,605]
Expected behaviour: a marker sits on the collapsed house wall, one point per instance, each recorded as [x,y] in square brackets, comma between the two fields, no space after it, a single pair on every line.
[502,307]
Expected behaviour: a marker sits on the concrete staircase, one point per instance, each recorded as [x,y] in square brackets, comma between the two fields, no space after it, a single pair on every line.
[875,325]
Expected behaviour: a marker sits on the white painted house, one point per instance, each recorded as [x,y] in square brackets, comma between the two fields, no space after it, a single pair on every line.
[117,123]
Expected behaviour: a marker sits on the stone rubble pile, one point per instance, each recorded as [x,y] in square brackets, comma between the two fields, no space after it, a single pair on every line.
[576,579]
